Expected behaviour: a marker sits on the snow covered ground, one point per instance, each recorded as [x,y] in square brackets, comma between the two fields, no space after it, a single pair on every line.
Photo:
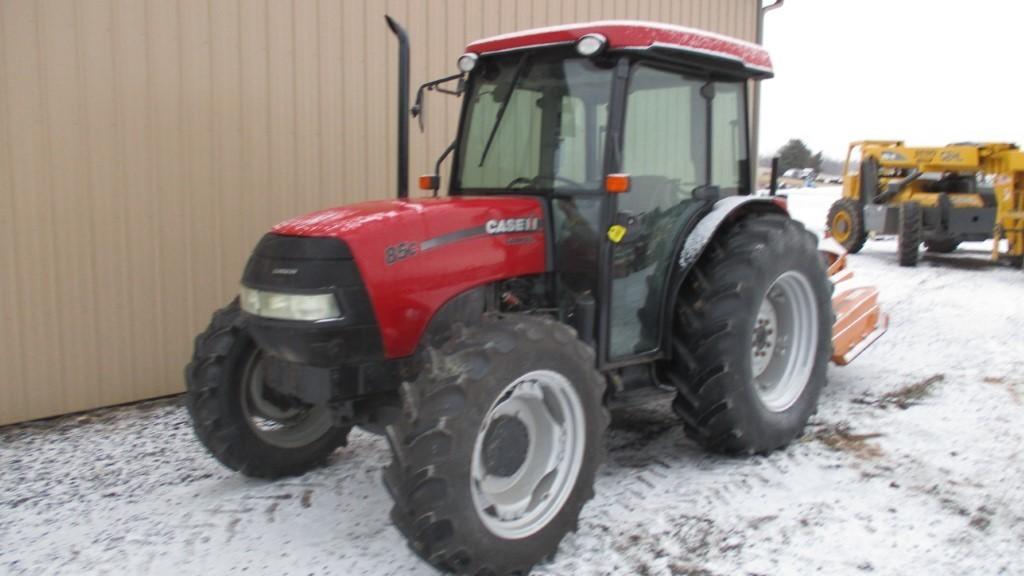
[914,465]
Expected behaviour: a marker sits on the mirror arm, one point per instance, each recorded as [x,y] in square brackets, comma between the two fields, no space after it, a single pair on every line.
[417,108]
[440,160]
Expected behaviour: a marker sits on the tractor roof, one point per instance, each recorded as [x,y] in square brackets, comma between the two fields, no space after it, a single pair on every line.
[635,35]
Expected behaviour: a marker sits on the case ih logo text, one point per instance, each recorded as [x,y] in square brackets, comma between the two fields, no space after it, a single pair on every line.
[509,225]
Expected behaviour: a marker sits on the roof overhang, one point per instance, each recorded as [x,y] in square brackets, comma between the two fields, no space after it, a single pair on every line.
[636,35]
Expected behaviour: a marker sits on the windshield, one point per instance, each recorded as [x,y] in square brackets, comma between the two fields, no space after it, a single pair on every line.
[535,122]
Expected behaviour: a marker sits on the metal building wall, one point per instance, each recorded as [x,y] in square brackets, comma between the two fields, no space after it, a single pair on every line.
[146,145]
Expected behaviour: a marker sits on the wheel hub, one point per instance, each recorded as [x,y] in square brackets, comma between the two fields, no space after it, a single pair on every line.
[763,346]
[784,341]
[276,418]
[841,226]
[505,446]
[528,454]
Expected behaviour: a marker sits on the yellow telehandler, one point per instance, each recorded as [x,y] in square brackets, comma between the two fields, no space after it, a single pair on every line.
[938,196]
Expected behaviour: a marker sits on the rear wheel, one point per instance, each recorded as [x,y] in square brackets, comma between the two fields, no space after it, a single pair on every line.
[752,337]
[497,447]
[942,245]
[909,245]
[244,423]
[846,224]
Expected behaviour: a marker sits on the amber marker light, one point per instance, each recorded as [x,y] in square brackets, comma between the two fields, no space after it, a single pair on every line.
[429,182]
[616,183]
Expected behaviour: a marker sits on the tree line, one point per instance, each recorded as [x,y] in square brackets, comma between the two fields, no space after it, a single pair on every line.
[796,154]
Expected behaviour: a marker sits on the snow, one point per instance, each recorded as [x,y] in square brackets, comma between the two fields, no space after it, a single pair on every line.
[912,466]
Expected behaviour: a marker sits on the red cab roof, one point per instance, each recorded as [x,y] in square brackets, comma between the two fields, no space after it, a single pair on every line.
[627,34]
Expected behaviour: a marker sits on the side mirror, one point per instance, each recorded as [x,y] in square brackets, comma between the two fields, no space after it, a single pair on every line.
[419,107]
[708,193]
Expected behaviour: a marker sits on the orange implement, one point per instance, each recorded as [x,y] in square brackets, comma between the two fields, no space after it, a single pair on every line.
[859,319]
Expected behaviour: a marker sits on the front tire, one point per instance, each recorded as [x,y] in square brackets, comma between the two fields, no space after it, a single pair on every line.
[497,447]
[909,243]
[941,245]
[752,337]
[245,425]
[846,224]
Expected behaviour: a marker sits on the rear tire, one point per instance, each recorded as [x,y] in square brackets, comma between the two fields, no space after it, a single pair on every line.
[846,224]
[222,383]
[941,246]
[909,245]
[470,433]
[724,356]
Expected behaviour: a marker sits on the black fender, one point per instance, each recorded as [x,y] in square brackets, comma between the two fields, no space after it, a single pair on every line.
[466,308]
[694,240]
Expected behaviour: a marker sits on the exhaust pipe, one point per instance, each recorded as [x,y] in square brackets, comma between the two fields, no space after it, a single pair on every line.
[773,186]
[403,106]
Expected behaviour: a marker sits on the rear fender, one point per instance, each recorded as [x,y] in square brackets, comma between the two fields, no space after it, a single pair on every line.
[694,241]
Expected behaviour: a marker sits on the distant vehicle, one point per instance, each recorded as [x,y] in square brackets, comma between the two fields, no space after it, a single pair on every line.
[940,197]
[799,173]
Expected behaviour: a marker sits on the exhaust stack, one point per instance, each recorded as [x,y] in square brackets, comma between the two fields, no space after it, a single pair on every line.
[403,106]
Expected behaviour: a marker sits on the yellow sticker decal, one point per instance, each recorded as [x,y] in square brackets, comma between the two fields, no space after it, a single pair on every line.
[616,233]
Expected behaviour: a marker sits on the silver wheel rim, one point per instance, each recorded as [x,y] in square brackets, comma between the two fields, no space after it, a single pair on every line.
[519,504]
[784,341]
[292,427]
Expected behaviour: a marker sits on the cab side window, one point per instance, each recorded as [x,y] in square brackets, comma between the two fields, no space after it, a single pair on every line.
[728,137]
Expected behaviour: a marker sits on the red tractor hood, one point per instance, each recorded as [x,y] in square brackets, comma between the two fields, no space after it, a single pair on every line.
[416,255]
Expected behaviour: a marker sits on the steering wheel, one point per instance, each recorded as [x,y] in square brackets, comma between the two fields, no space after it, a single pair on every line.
[533,181]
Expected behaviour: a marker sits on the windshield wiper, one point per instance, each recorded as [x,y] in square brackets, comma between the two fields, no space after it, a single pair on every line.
[504,105]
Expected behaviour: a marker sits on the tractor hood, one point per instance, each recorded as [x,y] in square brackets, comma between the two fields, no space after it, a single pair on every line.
[415,255]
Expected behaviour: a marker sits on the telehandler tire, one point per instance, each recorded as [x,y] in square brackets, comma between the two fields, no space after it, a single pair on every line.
[752,337]
[909,243]
[249,427]
[846,224]
[497,445]
[941,246]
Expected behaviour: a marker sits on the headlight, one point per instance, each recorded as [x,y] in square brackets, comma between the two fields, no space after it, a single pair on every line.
[467,62]
[591,45]
[308,307]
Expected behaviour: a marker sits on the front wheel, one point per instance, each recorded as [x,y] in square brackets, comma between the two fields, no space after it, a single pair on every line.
[752,337]
[909,242]
[497,447]
[846,224]
[941,245]
[245,424]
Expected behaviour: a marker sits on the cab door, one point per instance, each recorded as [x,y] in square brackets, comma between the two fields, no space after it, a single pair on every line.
[681,153]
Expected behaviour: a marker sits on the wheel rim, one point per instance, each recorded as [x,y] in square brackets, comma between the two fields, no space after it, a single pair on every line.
[528,454]
[784,342]
[292,426]
[842,226]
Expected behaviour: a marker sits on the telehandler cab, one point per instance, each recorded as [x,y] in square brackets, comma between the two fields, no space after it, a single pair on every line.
[599,243]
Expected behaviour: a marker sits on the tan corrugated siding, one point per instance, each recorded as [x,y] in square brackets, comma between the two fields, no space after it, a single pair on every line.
[146,145]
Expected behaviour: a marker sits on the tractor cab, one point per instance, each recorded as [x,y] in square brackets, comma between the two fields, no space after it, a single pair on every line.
[629,132]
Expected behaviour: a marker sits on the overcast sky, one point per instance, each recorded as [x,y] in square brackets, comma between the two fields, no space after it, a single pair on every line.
[930,72]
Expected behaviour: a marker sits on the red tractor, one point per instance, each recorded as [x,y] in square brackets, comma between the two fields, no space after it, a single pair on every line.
[599,243]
